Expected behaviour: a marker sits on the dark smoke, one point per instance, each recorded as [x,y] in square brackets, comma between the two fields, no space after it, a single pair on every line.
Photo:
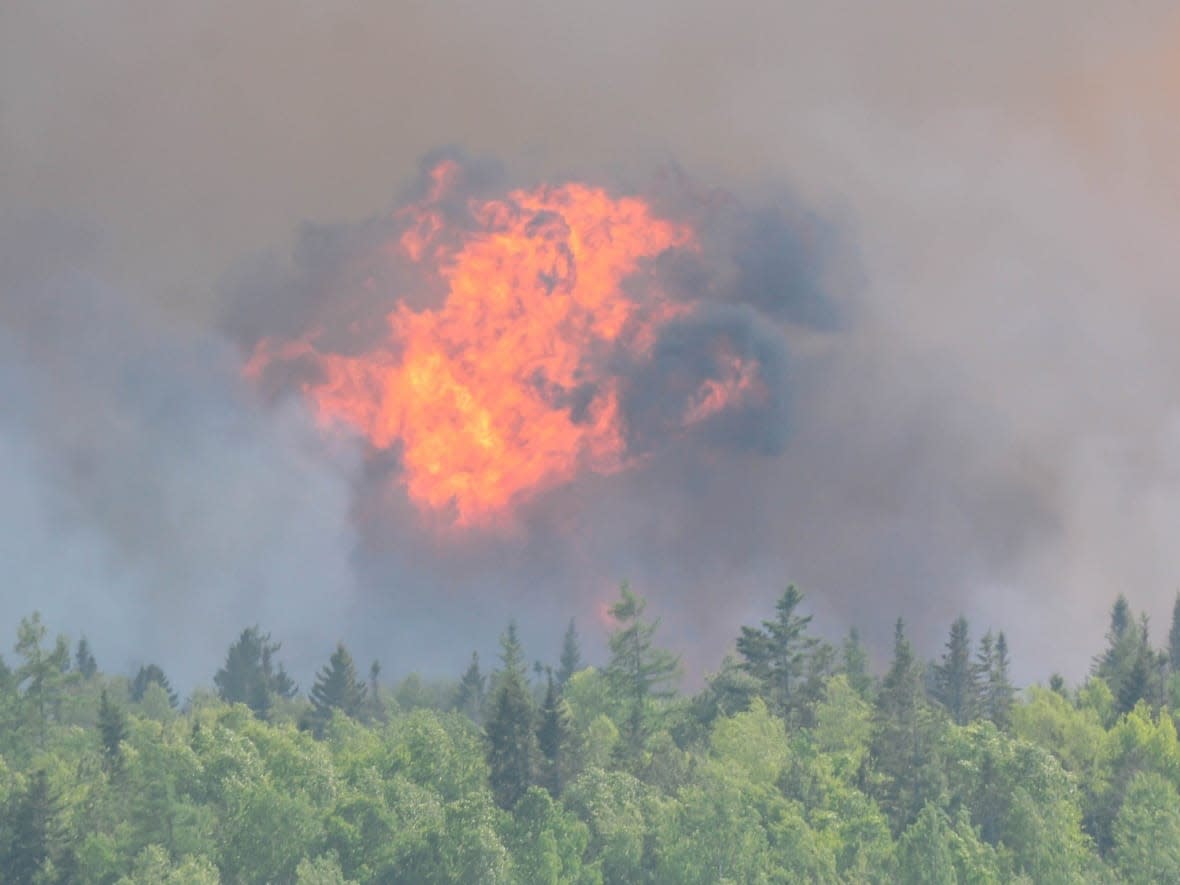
[150,501]
[878,496]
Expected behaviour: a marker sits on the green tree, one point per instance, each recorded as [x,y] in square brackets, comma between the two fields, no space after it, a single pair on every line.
[554,735]
[84,661]
[250,674]
[777,654]
[1174,637]
[955,685]
[469,696]
[148,675]
[112,729]
[41,673]
[1147,831]
[1123,648]
[855,664]
[996,690]
[510,739]
[903,747]
[639,673]
[32,831]
[571,655]
[336,688]
[376,707]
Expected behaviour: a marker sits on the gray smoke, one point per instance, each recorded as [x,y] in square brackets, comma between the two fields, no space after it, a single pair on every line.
[966,303]
[150,502]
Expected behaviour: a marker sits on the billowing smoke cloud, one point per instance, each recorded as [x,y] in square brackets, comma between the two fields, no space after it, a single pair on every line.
[149,501]
[967,305]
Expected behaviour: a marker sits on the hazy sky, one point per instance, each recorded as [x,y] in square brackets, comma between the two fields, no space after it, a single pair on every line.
[995,429]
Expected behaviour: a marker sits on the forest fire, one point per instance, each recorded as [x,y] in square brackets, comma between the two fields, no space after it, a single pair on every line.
[514,382]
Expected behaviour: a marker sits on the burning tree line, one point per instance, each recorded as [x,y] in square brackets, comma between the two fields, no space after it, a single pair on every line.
[794,762]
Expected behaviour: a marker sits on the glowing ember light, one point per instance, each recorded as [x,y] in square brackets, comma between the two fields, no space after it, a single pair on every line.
[506,388]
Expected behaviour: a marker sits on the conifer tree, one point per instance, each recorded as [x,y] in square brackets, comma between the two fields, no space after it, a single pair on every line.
[469,696]
[571,655]
[903,739]
[32,831]
[999,693]
[336,688]
[1122,647]
[855,664]
[554,732]
[250,675]
[777,653]
[1174,637]
[151,674]
[955,685]
[42,672]
[509,736]
[84,661]
[639,673]
[112,728]
[376,707]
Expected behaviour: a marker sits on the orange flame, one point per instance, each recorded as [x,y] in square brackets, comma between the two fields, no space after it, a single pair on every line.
[503,390]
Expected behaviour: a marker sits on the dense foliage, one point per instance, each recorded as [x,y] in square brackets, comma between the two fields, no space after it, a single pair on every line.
[794,763]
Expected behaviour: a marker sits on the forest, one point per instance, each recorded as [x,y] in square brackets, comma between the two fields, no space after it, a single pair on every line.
[794,763]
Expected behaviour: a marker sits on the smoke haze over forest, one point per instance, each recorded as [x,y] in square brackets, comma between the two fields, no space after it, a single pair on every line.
[945,239]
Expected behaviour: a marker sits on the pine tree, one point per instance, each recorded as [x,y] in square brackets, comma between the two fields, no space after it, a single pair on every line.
[999,693]
[1174,637]
[250,675]
[571,655]
[112,728]
[42,672]
[151,675]
[509,737]
[638,673]
[376,707]
[32,831]
[855,664]
[84,660]
[903,739]
[554,733]
[955,685]
[469,696]
[1122,647]
[776,654]
[336,688]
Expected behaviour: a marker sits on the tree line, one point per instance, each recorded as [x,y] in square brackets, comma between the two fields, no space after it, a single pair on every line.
[795,762]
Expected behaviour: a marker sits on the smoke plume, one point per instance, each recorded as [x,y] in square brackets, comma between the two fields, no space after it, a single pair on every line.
[933,267]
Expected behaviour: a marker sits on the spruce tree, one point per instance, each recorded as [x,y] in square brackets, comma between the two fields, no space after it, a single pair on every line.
[376,706]
[1122,647]
[571,655]
[1174,637]
[469,696]
[84,661]
[32,831]
[777,654]
[639,673]
[336,688]
[112,729]
[902,747]
[250,675]
[955,685]
[554,732]
[855,664]
[42,672]
[999,693]
[510,740]
[149,675]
